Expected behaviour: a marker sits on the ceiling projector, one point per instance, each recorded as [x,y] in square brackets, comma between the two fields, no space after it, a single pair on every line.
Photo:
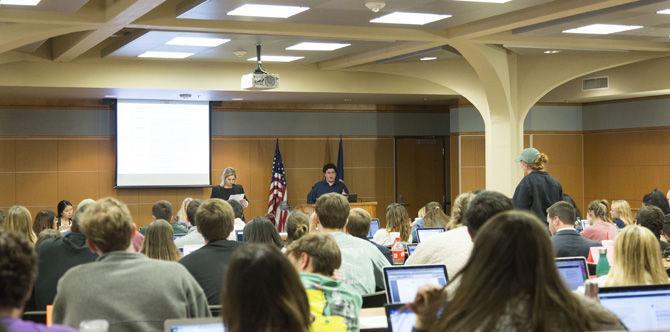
[259,79]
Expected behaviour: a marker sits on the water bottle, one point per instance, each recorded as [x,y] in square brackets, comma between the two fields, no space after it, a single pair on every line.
[603,266]
[96,325]
[398,252]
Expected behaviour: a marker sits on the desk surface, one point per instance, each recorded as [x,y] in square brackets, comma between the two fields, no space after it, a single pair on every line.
[373,319]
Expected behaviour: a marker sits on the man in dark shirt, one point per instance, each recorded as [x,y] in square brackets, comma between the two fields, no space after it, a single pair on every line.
[329,184]
[208,264]
[567,242]
[537,190]
[358,225]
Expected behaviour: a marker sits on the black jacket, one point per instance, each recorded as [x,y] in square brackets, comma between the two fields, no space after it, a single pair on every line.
[224,193]
[569,243]
[536,192]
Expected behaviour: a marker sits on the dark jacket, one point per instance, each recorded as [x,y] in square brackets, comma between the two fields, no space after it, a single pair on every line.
[569,243]
[536,192]
[208,266]
[55,257]
[323,187]
[224,193]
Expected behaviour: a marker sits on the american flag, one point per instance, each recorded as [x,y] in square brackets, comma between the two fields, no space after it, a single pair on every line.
[278,194]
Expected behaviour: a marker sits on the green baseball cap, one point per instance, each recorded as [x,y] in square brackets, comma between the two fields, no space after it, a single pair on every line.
[528,156]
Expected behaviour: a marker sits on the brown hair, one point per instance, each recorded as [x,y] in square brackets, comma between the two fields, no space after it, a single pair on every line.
[18,269]
[458,210]
[20,221]
[262,230]
[599,210]
[358,223]
[435,216]
[564,211]
[162,210]
[397,220]
[251,279]
[297,225]
[159,243]
[44,219]
[514,250]
[108,224]
[332,210]
[215,219]
[539,162]
[321,248]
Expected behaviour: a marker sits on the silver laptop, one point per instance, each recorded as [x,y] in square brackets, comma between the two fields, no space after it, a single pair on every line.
[213,324]
[403,282]
[573,270]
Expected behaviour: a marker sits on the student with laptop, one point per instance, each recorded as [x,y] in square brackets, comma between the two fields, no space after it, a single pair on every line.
[567,242]
[514,250]
[358,225]
[334,304]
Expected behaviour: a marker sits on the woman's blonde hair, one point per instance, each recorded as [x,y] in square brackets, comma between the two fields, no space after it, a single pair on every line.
[458,209]
[181,214]
[20,221]
[624,211]
[397,220]
[159,242]
[228,171]
[539,162]
[435,216]
[637,259]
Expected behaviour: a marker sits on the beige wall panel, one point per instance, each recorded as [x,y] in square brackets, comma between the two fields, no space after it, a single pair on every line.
[566,160]
[75,186]
[7,155]
[134,212]
[106,157]
[34,209]
[363,181]
[36,155]
[453,166]
[7,190]
[472,151]
[143,215]
[307,153]
[473,178]
[366,152]
[78,155]
[300,182]
[37,189]
[150,196]
[526,141]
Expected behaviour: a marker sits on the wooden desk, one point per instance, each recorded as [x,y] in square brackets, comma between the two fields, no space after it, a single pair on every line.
[371,207]
[373,319]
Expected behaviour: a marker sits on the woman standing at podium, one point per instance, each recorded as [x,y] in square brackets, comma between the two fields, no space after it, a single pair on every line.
[228,187]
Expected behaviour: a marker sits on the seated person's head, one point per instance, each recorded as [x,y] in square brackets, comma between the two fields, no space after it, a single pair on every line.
[458,210]
[483,207]
[329,172]
[560,215]
[238,209]
[162,210]
[18,270]
[262,230]
[44,219]
[191,208]
[597,210]
[315,253]
[297,225]
[637,259]
[19,220]
[84,202]
[358,223]
[666,228]
[47,234]
[159,241]
[651,217]
[261,274]
[215,219]
[331,211]
[397,220]
[434,216]
[107,225]
[656,198]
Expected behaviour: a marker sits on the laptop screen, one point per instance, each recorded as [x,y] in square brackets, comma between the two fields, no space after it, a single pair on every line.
[189,248]
[410,249]
[194,325]
[573,270]
[239,234]
[424,234]
[399,320]
[374,227]
[640,308]
[402,282]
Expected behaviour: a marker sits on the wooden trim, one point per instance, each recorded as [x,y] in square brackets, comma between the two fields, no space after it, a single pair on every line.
[54,103]
[57,138]
[553,132]
[626,130]
[468,133]
[625,100]
[353,108]
[464,102]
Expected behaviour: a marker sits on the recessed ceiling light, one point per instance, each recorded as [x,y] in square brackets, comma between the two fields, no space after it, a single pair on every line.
[20,2]
[277,58]
[197,41]
[489,1]
[165,55]
[266,11]
[551,51]
[428,58]
[309,46]
[602,29]
[409,18]
[236,99]
[664,11]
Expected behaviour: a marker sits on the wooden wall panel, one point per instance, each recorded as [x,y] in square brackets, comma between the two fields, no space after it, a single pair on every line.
[472,168]
[454,171]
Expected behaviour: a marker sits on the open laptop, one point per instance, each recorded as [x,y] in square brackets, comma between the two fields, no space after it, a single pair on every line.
[213,324]
[410,248]
[403,282]
[423,234]
[374,227]
[640,308]
[399,319]
[239,234]
[189,248]
[573,270]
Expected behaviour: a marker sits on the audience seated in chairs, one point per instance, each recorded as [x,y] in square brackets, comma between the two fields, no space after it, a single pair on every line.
[637,260]
[432,216]
[622,215]
[208,264]
[159,243]
[652,218]
[514,249]
[129,290]
[600,228]
[262,230]
[567,242]
[193,236]
[358,225]
[19,220]
[398,224]
[362,264]
[262,292]
[297,225]
[18,267]
[334,304]
[163,210]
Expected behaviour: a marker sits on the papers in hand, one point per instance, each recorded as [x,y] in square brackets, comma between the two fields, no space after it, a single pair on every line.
[237,197]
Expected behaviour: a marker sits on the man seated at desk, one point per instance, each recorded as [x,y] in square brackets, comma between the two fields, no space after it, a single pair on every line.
[329,184]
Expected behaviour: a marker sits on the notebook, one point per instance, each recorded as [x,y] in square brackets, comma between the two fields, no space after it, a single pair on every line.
[374,227]
[399,319]
[423,234]
[213,324]
[640,308]
[573,270]
[402,282]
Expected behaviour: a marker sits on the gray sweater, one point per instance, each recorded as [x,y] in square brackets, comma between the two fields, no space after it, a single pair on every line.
[129,290]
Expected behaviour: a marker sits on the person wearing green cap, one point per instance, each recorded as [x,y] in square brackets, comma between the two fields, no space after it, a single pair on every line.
[538,190]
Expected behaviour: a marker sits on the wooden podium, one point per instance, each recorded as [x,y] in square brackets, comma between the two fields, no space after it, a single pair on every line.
[371,207]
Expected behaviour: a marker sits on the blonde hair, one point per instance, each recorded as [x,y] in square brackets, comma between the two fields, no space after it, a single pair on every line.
[458,209]
[539,162]
[637,259]
[20,221]
[228,171]
[624,211]
[181,214]
[397,220]
[108,224]
[434,216]
[159,242]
